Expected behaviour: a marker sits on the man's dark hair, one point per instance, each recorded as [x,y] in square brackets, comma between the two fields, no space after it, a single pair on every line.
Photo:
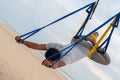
[51,52]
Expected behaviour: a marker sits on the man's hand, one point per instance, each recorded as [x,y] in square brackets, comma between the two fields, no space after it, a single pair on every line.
[18,39]
[46,63]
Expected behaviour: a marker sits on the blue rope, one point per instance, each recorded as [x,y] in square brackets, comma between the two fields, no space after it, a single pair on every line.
[80,40]
[90,12]
[107,41]
[94,9]
[35,31]
[86,20]
[30,34]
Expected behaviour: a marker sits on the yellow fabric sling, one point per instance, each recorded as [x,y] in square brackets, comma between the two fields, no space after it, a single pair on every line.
[94,37]
[100,40]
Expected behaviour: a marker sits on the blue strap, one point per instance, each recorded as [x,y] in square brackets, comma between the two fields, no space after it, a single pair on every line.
[94,9]
[87,19]
[107,41]
[90,12]
[35,31]
[30,33]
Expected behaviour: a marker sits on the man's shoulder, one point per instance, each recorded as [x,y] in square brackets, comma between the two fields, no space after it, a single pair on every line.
[54,45]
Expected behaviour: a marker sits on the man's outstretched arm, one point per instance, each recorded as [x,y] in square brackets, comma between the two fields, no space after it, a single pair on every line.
[31,44]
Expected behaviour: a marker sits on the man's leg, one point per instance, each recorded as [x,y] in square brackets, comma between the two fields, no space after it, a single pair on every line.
[84,43]
[101,58]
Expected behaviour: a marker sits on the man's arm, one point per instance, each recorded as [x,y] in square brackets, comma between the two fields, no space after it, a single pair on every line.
[35,45]
[31,44]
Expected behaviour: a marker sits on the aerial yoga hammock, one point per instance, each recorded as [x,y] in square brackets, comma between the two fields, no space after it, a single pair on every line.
[98,53]
[90,10]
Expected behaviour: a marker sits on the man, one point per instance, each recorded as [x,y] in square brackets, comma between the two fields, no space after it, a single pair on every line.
[77,53]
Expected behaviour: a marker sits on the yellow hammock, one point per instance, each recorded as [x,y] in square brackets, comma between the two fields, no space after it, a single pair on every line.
[101,38]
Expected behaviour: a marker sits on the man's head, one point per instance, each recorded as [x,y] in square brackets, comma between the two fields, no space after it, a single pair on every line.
[51,52]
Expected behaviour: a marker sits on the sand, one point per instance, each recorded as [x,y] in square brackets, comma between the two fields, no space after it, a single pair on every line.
[17,62]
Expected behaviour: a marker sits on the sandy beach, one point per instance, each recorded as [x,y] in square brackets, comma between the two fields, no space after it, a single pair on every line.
[17,62]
